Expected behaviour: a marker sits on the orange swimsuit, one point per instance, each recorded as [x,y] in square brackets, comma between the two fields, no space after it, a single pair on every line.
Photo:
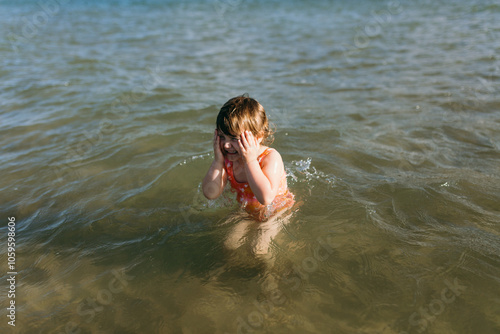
[244,194]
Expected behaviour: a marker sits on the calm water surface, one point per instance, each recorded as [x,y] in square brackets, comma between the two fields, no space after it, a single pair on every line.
[387,117]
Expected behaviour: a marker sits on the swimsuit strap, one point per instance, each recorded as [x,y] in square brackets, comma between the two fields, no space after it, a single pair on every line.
[263,154]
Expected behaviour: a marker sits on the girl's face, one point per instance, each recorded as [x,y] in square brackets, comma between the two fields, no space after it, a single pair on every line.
[229,146]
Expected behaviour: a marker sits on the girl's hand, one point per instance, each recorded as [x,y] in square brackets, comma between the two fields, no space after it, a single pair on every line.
[248,146]
[219,157]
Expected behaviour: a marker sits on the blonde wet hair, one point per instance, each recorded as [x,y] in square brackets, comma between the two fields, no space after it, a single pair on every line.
[244,113]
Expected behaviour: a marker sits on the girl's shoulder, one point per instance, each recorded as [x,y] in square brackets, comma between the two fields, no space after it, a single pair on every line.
[269,155]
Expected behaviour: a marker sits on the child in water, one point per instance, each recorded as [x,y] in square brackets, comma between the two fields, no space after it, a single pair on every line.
[256,172]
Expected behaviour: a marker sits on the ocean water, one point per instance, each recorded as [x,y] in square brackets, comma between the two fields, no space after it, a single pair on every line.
[387,118]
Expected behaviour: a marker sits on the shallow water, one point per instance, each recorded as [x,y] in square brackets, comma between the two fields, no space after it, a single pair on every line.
[387,117]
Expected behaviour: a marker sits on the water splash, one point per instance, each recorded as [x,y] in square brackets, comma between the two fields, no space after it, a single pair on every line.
[302,171]
[195,157]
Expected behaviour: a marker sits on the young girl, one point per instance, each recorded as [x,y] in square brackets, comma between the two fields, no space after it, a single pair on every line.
[255,171]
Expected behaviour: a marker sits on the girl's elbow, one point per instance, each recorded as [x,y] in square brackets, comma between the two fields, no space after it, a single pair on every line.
[267,200]
[210,194]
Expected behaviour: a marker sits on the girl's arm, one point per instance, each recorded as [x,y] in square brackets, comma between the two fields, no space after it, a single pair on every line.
[215,180]
[264,181]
